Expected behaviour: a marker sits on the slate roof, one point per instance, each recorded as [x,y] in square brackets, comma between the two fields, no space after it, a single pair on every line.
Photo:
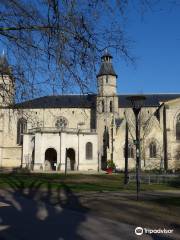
[152,100]
[106,69]
[89,101]
[61,101]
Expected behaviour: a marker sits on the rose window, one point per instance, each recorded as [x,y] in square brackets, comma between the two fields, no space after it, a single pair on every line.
[61,122]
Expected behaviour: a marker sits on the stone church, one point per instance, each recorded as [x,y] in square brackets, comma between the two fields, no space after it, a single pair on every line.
[82,132]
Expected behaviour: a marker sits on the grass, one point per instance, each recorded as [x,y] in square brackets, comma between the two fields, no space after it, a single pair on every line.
[101,195]
[168,201]
[77,182]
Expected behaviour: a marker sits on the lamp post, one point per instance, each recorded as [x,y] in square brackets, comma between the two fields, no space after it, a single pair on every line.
[137,102]
[112,139]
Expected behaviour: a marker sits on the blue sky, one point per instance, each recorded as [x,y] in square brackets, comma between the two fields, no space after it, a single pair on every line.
[157,49]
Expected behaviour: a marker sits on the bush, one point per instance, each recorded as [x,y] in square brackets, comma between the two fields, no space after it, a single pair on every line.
[110,164]
[21,170]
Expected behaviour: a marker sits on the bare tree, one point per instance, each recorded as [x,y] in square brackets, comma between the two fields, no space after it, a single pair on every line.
[56,44]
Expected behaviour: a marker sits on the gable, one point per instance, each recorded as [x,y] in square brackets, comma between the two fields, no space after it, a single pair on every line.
[175,103]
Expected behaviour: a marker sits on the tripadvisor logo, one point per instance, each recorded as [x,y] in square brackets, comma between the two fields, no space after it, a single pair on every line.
[139,231]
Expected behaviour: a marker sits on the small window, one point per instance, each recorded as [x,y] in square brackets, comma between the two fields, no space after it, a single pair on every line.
[106,78]
[21,128]
[178,128]
[89,150]
[152,150]
[111,107]
[102,106]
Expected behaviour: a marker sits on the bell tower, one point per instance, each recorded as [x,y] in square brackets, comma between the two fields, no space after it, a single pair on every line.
[6,82]
[107,100]
[107,108]
[106,77]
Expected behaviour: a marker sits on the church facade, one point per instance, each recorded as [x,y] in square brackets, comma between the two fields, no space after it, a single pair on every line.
[82,132]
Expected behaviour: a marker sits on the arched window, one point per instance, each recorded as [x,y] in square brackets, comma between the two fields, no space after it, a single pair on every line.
[102,105]
[130,151]
[178,128]
[21,128]
[110,106]
[89,151]
[152,150]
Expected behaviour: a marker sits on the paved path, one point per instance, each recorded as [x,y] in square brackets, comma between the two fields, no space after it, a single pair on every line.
[31,218]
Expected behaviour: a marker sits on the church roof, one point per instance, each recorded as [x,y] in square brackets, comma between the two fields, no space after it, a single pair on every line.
[89,101]
[152,100]
[60,101]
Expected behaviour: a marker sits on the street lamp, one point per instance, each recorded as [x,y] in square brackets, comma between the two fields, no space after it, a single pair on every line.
[137,101]
[112,139]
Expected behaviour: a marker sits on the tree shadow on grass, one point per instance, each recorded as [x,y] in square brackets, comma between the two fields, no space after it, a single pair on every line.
[167,201]
[145,213]
[175,183]
[36,213]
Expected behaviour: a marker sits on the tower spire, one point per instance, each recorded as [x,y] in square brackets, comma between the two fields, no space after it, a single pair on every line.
[106,65]
[4,65]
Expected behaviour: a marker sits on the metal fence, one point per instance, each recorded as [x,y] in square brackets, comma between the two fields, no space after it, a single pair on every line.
[155,178]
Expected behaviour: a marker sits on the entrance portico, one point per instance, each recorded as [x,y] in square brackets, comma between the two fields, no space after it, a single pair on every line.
[50,149]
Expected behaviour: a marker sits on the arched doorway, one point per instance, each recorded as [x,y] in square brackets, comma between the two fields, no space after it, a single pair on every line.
[50,159]
[70,159]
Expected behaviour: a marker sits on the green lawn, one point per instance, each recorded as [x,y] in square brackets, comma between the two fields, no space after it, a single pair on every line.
[76,182]
[102,195]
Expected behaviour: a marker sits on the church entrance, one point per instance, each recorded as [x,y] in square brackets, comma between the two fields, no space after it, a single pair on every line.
[50,159]
[70,159]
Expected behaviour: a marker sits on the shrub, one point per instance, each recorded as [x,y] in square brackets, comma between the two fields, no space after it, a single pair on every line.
[110,164]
